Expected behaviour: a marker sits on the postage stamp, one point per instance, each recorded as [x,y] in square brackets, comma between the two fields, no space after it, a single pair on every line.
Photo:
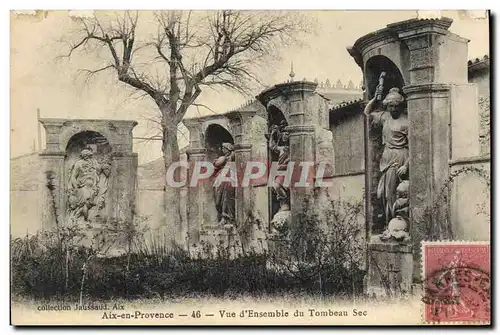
[456,282]
[249,167]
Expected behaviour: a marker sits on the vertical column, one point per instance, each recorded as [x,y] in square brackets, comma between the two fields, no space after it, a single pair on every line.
[51,191]
[437,58]
[52,199]
[195,194]
[301,150]
[429,137]
[302,145]
[244,195]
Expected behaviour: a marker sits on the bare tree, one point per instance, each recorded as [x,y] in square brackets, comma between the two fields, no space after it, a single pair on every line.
[191,50]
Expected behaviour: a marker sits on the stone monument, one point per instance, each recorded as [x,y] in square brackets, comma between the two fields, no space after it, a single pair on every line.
[427,65]
[91,171]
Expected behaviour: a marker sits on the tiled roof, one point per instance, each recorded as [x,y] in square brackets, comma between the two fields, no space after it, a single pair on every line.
[346,103]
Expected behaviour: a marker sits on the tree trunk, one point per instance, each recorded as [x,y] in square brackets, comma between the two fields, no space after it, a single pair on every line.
[172,195]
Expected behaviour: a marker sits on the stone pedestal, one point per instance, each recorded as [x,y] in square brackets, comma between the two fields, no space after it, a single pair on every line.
[390,269]
[217,241]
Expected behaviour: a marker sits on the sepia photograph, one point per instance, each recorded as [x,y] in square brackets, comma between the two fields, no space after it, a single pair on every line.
[250,167]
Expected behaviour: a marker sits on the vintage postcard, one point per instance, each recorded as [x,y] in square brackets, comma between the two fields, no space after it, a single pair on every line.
[235,167]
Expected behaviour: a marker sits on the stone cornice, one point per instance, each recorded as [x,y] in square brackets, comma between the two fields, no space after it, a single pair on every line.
[242,147]
[299,129]
[411,91]
[413,27]
[192,123]
[61,122]
[381,35]
[46,153]
[240,115]
[196,151]
[397,31]
[470,160]
[119,154]
[203,118]
[285,89]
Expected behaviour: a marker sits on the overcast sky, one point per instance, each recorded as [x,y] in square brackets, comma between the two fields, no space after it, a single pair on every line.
[39,81]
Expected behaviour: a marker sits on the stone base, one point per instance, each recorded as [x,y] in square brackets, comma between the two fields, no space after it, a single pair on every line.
[390,269]
[217,241]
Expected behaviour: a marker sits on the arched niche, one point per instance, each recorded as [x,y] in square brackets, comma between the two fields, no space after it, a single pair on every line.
[72,132]
[374,67]
[101,151]
[88,139]
[215,135]
[373,141]
[275,115]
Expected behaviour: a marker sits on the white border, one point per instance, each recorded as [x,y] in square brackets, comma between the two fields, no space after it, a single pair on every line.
[194,4]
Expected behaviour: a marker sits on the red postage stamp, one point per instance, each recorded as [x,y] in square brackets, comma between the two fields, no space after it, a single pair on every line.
[456,282]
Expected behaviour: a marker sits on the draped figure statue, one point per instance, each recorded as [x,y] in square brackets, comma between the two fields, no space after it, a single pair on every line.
[279,145]
[87,187]
[395,156]
[224,193]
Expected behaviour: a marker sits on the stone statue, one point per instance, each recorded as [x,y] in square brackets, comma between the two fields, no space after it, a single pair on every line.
[397,229]
[104,172]
[402,204]
[82,187]
[87,187]
[395,156]
[224,193]
[279,144]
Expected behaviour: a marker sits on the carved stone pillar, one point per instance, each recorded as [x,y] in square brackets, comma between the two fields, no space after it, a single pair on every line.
[302,146]
[433,62]
[51,193]
[244,194]
[297,103]
[429,136]
[437,58]
[301,150]
[53,200]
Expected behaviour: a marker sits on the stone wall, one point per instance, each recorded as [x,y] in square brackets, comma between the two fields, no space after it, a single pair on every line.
[348,180]
[470,199]
[347,126]
[25,181]
[479,73]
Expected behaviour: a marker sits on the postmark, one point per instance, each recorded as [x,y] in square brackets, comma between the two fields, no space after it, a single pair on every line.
[456,282]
